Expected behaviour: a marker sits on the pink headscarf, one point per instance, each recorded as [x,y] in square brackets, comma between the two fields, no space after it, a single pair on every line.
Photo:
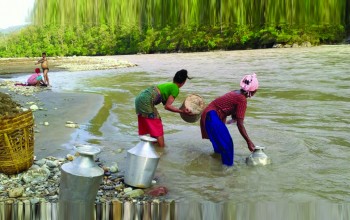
[249,83]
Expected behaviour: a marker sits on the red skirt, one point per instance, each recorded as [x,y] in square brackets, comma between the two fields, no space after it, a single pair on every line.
[152,126]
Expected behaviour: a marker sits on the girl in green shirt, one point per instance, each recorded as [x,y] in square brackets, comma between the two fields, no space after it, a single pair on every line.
[149,121]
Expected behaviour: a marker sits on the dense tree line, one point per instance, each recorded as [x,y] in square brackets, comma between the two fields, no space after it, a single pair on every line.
[105,40]
[108,27]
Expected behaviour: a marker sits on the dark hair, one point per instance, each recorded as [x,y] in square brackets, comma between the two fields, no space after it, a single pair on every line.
[181,76]
[43,53]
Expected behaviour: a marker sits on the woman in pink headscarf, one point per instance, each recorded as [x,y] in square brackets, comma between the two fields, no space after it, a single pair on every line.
[213,118]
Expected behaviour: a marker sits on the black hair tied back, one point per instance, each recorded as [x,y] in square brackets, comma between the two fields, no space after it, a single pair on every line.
[181,76]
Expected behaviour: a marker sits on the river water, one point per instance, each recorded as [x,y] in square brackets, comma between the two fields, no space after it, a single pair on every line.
[300,114]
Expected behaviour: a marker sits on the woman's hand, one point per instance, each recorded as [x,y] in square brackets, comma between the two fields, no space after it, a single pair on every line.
[186,111]
[251,146]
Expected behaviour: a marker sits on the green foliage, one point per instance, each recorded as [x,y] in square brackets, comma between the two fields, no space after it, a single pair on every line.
[101,27]
[101,39]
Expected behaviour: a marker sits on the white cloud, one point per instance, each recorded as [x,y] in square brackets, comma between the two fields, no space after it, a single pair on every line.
[14,12]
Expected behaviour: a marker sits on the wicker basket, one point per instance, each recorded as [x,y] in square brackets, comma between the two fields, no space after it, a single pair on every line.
[196,105]
[16,142]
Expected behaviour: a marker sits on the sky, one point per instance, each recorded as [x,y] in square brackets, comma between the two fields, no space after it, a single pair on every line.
[14,12]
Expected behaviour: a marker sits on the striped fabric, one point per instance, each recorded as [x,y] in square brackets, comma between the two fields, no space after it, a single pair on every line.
[145,103]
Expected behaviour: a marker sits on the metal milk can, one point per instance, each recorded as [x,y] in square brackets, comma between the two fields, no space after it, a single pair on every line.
[142,161]
[258,157]
[79,183]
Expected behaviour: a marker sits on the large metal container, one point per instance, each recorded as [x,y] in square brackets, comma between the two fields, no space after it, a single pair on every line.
[258,157]
[79,183]
[142,162]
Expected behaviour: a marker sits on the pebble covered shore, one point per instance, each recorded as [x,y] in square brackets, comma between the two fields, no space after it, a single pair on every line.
[41,184]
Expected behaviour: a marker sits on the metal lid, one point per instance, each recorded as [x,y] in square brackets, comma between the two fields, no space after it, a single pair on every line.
[147,138]
[87,149]
[145,148]
[259,148]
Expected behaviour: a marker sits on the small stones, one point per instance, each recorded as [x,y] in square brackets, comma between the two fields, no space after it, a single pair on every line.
[107,173]
[158,191]
[134,193]
[52,163]
[70,157]
[71,124]
[16,192]
[114,168]
[41,183]
[34,107]
[119,150]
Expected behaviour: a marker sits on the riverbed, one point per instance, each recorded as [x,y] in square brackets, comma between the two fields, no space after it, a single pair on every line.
[299,114]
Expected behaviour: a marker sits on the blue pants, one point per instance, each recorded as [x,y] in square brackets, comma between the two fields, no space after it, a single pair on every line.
[220,137]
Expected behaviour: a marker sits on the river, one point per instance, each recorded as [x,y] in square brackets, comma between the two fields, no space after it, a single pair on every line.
[300,114]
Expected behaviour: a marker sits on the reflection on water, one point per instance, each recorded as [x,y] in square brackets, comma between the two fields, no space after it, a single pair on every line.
[300,114]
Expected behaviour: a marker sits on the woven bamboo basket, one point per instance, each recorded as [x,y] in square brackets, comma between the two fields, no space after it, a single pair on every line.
[196,105]
[16,142]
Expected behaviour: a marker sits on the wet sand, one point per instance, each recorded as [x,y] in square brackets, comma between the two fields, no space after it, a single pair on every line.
[57,107]
[56,139]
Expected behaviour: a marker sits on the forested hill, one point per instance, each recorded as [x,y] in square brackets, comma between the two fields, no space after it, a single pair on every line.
[107,27]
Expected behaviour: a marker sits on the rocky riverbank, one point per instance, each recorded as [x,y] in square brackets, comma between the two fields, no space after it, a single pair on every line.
[40,183]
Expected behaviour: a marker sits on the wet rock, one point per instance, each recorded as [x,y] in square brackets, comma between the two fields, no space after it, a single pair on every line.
[119,150]
[128,189]
[34,107]
[114,168]
[70,157]
[71,124]
[158,191]
[40,162]
[36,176]
[134,193]
[16,192]
[52,164]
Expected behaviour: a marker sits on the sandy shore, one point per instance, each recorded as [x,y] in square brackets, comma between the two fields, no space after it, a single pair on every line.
[74,63]
[57,107]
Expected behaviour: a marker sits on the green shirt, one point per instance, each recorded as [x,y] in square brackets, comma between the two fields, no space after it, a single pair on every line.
[168,89]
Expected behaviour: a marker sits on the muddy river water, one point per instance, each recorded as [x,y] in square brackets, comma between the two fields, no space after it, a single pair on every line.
[300,114]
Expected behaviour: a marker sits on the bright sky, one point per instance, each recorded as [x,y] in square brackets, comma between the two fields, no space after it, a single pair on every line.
[14,12]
